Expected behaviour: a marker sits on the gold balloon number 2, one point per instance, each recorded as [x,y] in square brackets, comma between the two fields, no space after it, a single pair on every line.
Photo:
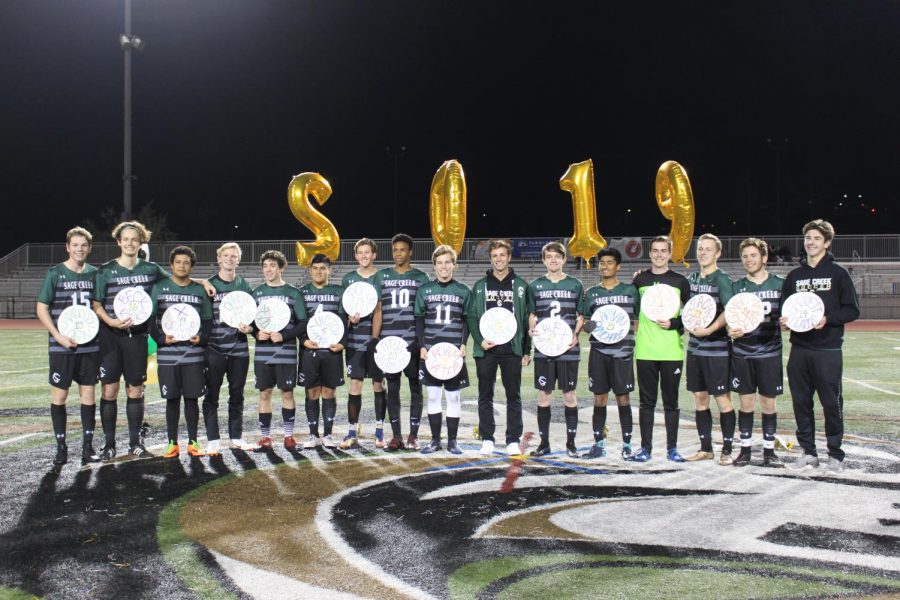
[673,196]
[327,242]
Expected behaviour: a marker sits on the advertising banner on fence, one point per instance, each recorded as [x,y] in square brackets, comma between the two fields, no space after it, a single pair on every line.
[530,247]
[630,247]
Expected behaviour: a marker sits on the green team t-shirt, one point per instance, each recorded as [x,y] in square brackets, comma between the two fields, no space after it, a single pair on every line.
[63,288]
[444,307]
[652,342]
[558,299]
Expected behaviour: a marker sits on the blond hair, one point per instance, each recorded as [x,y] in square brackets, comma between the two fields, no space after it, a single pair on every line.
[143,233]
[79,231]
[228,246]
[441,251]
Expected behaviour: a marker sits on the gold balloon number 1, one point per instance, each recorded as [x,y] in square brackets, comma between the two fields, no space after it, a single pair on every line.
[673,196]
[328,242]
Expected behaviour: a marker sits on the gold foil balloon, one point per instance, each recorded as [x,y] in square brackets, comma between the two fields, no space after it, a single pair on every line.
[676,202]
[578,180]
[448,205]
[152,372]
[328,242]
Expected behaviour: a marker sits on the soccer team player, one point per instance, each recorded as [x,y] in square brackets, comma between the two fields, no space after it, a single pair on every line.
[321,368]
[70,283]
[556,295]
[440,318]
[181,363]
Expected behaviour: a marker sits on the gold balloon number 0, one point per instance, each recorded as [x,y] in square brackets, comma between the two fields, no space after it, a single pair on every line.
[327,242]
[448,205]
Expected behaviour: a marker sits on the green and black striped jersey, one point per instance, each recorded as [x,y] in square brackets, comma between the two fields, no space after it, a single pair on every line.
[765,340]
[558,299]
[718,285]
[360,333]
[444,307]
[64,288]
[224,339]
[327,296]
[167,293]
[397,294]
[284,352]
[625,296]
[112,278]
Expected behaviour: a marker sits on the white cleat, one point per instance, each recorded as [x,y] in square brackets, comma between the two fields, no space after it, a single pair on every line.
[240,444]
[513,449]
[328,442]
[212,448]
[312,443]
[487,448]
[806,460]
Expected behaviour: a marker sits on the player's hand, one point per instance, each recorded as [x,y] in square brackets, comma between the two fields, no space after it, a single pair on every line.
[423,354]
[526,360]
[210,289]
[65,342]
[370,345]
[170,339]
[264,336]
[821,323]
[195,340]
[310,345]
[354,318]
[276,337]
[589,326]
[636,273]
[700,332]
[664,323]
[122,323]
[574,341]
[336,347]
[462,351]
[736,333]
[531,332]
[487,345]
[783,323]
[244,328]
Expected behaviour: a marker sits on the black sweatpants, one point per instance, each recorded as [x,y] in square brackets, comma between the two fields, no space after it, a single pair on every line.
[218,366]
[511,375]
[817,371]
[653,376]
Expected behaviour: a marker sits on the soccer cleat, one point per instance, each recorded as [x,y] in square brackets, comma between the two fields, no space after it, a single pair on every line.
[349,442]
[139,451]
[513,449]
[674,455]
[597,451]
[725,459]
[395,444]
[627,452]
[543,449]
[742,460]
[412,442]
[62,454]
[571,450]
[240,444]
[212,448]
[834,466]
[433,447]
[772,460]
[329,442]
[290,442]
[108,452]
[88,455]
[264,445]
[807,460]
[700,455]
[487,447]
[194,449]
[642,456]
[453,447]
[379,443]
[171,450]
[312,443]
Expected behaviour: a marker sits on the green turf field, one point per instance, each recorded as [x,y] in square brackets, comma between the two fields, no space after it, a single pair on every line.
[871,390]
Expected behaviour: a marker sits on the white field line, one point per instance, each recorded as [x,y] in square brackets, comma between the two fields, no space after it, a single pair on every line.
[19,438]
[22,371]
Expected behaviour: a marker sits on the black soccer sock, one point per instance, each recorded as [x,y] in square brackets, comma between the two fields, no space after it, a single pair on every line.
[671,417]
[58,418]
[769,427]
[108,410]
[211,418]
[745,426]
[380,406]
[543,419]
[265,424]
[288,416]
[88,422]
[312,415]
[192,418]
[435,421]
[704,429]
[571,413]
[329,410]
[415,407]
[354,405]
[645,423]
[393,409]
[625,419]
[452,427]
[134,410]
[598,422]
[173,413]
[727,422]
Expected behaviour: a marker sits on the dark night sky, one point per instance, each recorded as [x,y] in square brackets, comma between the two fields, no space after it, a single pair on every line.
[233,98]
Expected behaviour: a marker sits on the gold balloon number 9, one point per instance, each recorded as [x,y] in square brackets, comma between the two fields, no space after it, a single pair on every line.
[676,203]
[448,205]
[327,240]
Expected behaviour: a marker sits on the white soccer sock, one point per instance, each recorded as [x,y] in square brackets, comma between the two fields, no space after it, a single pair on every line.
[454,403]
[434,399]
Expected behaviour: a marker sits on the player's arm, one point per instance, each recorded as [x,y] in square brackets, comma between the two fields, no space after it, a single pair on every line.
[849,303]
[43,315]
[376,322]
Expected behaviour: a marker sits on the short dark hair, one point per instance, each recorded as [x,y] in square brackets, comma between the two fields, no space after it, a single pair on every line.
[617,256]
[822,226]
[553,247]
[182,250]
[275,255]
[320,259]
[402,237]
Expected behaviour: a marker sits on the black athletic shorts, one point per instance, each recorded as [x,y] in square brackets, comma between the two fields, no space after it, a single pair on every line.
[176,381]
[66,367]
[606,373]
[120,354]
[321,368]
[763,375]
[708,374]
[361,365]
[550,374]
[284,377]
[457,382]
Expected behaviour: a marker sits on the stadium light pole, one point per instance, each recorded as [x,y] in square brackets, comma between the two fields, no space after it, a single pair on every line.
[128,42]
[396,153]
